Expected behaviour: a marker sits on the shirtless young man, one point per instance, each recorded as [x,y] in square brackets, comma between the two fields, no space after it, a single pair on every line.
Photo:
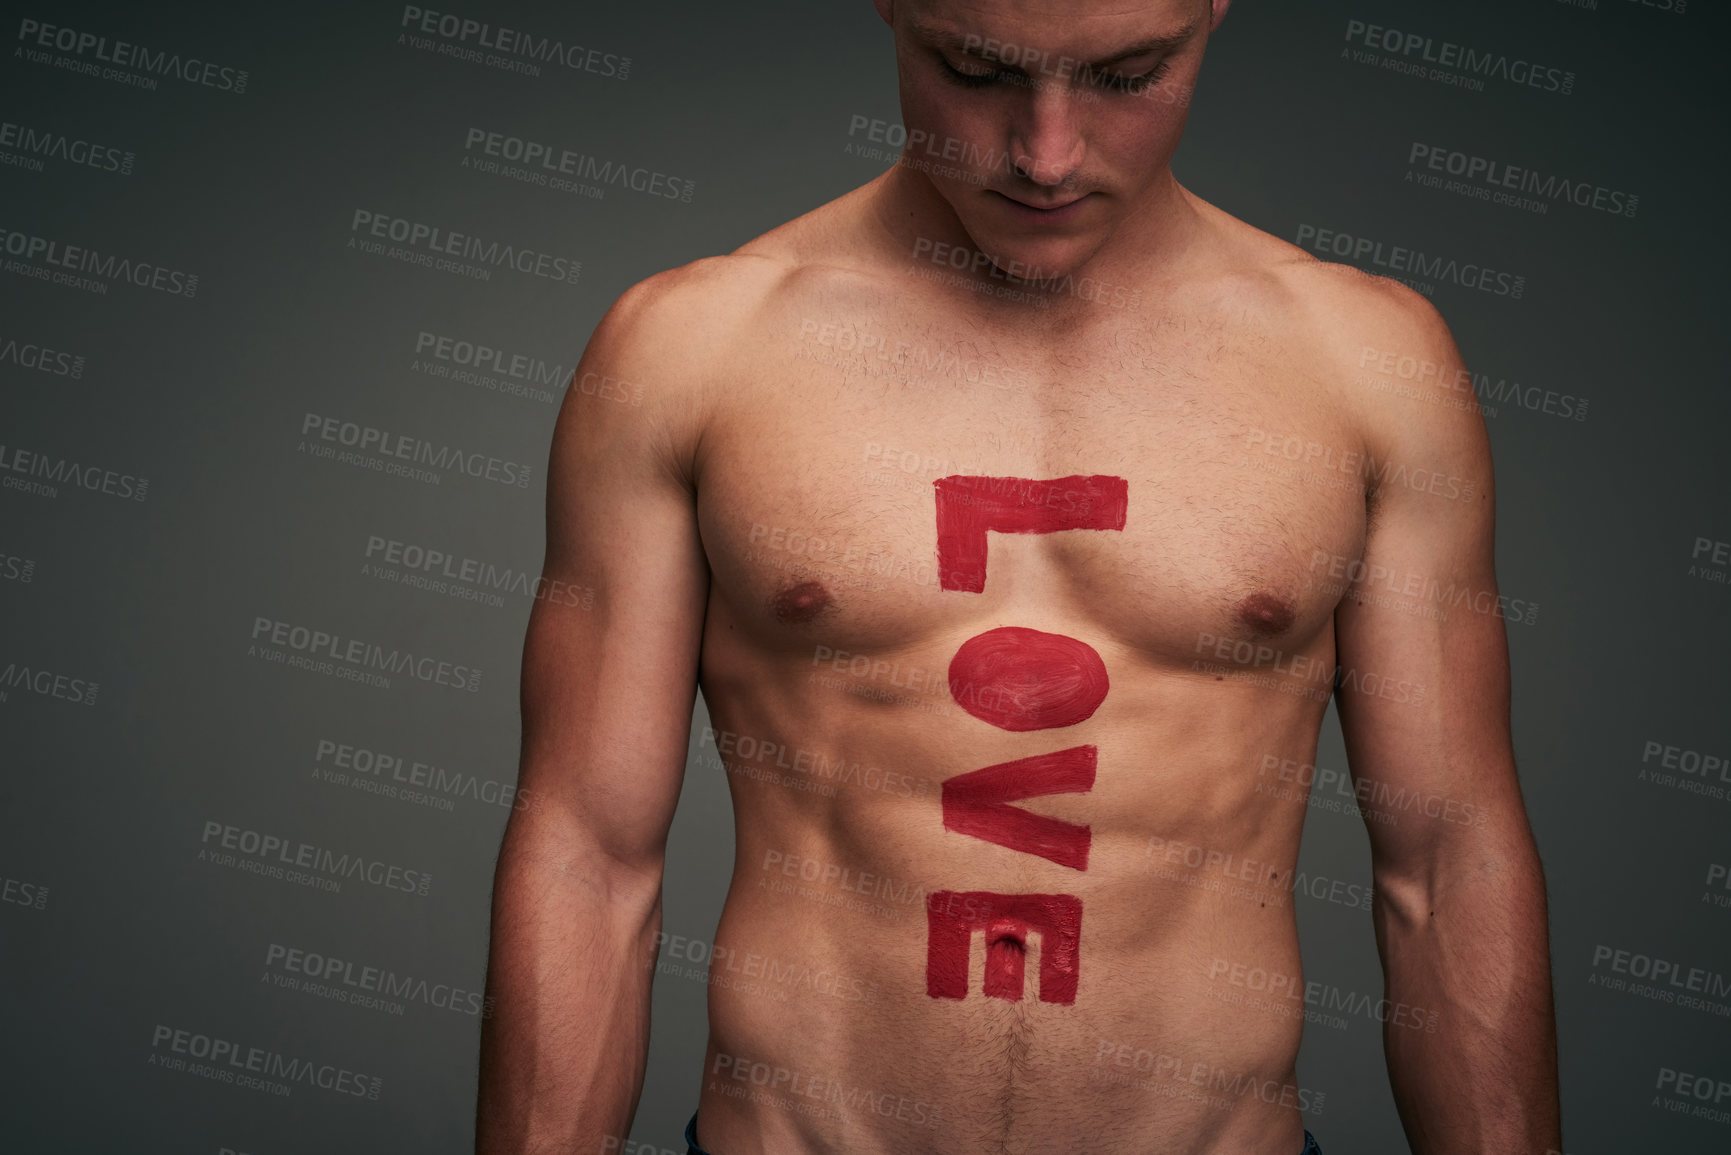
[1017,513]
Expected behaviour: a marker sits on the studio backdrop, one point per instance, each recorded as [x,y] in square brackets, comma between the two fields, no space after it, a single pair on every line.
[291,296]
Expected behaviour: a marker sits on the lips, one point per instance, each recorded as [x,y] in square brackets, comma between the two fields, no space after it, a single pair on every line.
[1047,214]
[1052,208]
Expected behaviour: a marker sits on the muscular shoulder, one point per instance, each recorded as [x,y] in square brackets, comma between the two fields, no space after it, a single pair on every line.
[677,344]
[1369,345]
[1395,367]
[639,393]
[669,328]
[687,322]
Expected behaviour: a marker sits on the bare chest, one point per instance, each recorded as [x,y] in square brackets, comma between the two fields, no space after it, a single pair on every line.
[876,486]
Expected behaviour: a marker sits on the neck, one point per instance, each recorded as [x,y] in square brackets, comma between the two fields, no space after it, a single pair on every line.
[1145,243]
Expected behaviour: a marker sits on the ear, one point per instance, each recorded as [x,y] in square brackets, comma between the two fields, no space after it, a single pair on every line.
[887,9]
[1220,7]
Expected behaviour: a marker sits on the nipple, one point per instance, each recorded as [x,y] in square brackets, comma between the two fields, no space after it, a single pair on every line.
[801,603]
[1266,614]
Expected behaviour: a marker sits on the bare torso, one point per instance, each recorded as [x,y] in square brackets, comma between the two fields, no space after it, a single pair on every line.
[826,660]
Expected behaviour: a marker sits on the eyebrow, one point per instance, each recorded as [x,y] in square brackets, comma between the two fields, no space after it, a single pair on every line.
[944,37]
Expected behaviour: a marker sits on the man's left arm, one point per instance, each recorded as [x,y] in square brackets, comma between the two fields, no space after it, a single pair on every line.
[1423,695]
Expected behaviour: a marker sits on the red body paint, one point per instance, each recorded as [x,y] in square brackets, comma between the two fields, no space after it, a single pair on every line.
[1017,679]
[978,804]
[1022,679]
[953,916]
[969,507]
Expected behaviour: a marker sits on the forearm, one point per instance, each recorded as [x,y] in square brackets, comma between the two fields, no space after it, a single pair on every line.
[569,973]
[1471,1032]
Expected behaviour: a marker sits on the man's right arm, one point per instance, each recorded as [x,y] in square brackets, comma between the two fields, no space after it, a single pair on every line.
[608,681]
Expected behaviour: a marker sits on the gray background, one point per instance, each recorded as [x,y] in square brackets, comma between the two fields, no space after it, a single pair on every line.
[113,925]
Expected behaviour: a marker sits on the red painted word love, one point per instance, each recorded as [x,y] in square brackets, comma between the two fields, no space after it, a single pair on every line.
[1017,679]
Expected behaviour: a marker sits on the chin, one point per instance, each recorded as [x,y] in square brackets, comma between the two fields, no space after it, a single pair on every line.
[1024,249]
[1023,257]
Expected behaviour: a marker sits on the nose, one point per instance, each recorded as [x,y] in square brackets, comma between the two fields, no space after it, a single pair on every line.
[1046,143]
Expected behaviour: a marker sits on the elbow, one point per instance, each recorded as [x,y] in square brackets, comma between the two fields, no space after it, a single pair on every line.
[1468,875]
[553,856]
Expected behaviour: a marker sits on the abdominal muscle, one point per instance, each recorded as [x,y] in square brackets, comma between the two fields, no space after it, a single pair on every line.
[823,1036]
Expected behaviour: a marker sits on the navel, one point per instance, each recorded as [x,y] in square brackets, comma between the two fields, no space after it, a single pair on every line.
[1266,614]
[801,603]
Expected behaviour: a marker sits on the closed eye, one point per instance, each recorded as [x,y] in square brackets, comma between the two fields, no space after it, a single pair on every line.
[1108,81]
[972,79]
[1115,82]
